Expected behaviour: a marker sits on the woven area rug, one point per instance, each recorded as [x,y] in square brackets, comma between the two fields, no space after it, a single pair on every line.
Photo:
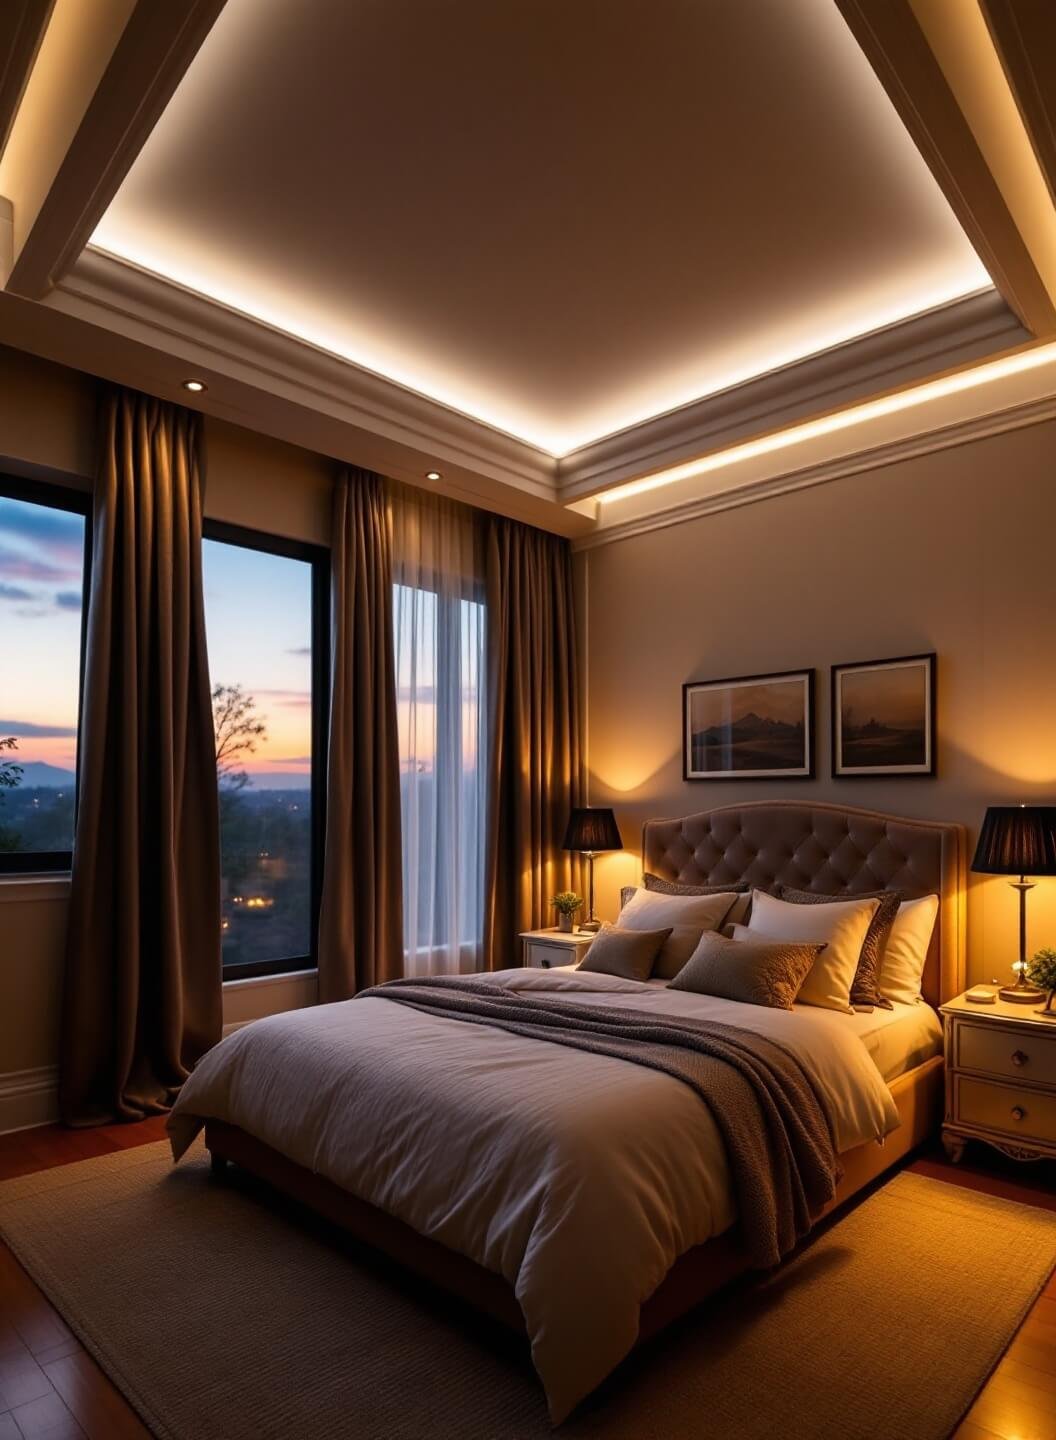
[220,1318]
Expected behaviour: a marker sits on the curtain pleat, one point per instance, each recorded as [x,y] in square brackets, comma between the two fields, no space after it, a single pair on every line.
[535,771]
[142,999]
[360,920]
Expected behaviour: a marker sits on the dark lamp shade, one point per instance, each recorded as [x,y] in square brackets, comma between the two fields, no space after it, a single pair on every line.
[1017,840]
[593,829]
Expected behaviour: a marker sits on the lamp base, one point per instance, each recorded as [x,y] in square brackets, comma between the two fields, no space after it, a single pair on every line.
[1021,994]
[593,926]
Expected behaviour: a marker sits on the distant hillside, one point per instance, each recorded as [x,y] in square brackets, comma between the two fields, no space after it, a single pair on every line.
[748,727]
[281,780]
[36,774]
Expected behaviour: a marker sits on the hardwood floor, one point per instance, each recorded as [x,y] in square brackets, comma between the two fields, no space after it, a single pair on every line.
[52,1389]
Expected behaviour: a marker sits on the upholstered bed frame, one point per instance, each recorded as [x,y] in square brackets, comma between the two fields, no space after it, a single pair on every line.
[830,849]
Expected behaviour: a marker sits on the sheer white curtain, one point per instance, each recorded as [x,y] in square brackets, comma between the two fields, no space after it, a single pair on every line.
[439,624]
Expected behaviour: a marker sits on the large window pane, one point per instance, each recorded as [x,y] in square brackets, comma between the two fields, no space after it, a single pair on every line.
[41,595]
[259,619]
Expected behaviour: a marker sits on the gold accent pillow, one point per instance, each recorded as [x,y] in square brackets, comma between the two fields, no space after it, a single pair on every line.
[865,988]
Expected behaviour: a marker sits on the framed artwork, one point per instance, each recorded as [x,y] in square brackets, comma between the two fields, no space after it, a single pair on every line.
[753,727]
[883,717]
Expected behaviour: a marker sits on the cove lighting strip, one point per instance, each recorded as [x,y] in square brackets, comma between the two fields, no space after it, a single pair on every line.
[1016,364]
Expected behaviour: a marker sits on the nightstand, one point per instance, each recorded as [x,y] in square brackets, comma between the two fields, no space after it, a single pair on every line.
[1000,1079]
[546,948]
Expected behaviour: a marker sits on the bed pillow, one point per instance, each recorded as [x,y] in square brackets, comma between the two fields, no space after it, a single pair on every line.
[686,916]
[842,927]
[630,954]
[757,972]
[738,910]
[902,963]
[865,988]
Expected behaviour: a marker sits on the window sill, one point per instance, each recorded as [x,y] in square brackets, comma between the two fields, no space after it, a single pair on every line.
[253,982]
[21,889]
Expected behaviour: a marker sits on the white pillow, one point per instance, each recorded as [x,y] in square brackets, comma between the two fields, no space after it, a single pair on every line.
[841,926]
[902,965]
[686,916]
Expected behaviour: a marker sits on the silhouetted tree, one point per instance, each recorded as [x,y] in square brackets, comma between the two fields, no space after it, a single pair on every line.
[10,776]
[237,729]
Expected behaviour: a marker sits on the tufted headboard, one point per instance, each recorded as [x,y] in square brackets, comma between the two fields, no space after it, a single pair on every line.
[832,849]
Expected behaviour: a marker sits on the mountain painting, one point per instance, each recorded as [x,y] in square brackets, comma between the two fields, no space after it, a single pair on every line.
[757,727]
[883,717]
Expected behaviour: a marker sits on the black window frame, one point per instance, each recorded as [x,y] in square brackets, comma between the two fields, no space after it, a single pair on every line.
[55,496]
[318,558]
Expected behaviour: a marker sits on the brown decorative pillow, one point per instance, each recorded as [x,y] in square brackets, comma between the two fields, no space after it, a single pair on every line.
[763,972]
[865,988]
[626,953]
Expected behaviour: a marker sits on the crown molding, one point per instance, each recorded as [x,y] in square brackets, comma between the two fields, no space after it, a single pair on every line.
[214,340]
[22,26]
[963,432]
[153,47]
[941,339]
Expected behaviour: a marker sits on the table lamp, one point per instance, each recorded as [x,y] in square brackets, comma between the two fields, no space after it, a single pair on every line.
[592,829]
[1018,840]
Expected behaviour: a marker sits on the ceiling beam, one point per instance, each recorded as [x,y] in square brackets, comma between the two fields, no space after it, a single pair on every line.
[103,92]
[917,49]
[1024,34]
[22,26]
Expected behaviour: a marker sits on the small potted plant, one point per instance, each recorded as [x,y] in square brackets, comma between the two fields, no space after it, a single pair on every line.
[567,903]
[1041,971]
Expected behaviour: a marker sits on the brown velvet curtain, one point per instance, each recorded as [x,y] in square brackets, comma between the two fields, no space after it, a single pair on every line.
[536,766]
[361,918]
[142,997]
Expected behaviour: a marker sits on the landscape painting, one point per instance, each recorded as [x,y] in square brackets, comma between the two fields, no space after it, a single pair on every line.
[754,727]
[883,717]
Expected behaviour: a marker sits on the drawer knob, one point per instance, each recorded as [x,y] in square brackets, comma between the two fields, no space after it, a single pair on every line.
[1019,1058]
[1018,1113]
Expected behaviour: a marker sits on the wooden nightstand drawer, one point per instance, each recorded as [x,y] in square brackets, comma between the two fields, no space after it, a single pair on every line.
[1014,1109]
[546,949]
[546,957]
[1012,1055]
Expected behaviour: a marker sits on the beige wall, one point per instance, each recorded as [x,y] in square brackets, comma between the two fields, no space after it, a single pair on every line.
[952,552]
[47,429]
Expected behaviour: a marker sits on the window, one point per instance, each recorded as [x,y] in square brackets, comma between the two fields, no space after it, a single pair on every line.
[439,640]
[43,566]
[266,617]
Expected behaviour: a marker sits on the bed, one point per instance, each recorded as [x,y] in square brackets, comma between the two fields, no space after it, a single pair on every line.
[574,1197]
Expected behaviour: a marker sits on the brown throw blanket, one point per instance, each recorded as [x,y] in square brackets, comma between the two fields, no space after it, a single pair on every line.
[779,1142]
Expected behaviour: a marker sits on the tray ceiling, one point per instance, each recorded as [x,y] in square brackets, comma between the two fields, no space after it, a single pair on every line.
[560,219]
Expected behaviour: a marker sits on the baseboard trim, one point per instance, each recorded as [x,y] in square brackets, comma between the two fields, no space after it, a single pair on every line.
[29,1098]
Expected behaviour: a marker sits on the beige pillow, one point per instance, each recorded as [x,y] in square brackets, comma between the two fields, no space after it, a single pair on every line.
[841,927]
[686,916]
[740,890]
[627,953]
[865,988]
[759,972]
[902,965]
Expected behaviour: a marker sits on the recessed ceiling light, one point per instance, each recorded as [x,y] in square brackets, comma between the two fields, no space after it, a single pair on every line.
[195,385]
[433,475]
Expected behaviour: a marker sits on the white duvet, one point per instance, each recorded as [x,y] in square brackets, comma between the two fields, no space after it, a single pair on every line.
[578,1177]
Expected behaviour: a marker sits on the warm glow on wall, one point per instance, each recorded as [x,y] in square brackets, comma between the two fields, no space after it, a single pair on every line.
[908,399]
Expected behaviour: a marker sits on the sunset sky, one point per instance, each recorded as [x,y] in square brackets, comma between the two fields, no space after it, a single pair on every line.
[41,575]
[258,622]
[258,614]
